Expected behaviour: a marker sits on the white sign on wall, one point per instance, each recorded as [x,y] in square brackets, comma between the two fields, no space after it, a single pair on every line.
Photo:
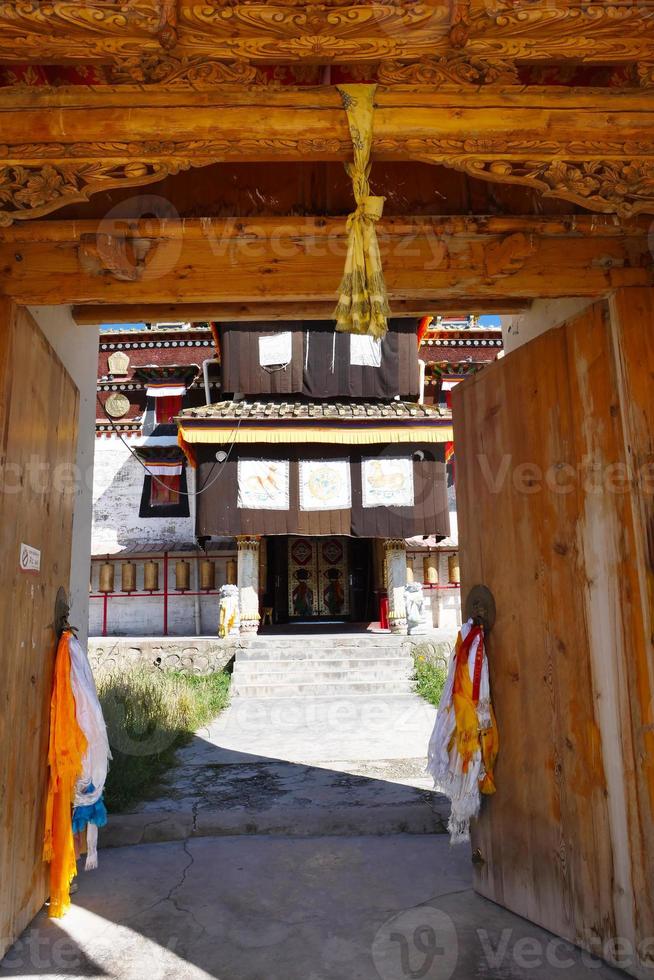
[276,349]
[365,351]
[387,482]
[325,484]
[30,559]
[263,484]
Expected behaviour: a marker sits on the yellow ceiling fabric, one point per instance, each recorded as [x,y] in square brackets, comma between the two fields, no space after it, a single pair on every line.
[363,302]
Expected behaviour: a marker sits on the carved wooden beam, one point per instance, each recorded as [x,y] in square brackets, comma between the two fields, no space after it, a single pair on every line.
[128,33]
[61,31]
[291,260]
[592,147]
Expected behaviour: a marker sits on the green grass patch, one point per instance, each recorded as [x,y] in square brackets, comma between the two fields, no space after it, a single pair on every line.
[149,715]
[430,673]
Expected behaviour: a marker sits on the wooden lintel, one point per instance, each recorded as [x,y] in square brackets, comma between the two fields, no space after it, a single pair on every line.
[301,261]
[279,311]
[564,143]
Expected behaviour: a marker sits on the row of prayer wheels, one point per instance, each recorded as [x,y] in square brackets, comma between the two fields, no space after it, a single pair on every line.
[430,570]
[151,576]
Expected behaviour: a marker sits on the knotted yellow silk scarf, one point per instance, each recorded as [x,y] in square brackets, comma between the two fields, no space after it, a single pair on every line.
[363,302]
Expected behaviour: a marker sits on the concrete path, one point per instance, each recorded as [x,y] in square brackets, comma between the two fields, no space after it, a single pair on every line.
[299,767]
[271,908]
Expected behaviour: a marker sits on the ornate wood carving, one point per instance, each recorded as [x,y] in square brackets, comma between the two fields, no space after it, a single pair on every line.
[456,70]
[32,30]
[32,191]
[196,73]
[624,186]
[645,71]
[569,29]
[342,31]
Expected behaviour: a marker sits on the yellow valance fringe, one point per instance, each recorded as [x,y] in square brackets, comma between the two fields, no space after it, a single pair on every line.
[279,435]
[363,301]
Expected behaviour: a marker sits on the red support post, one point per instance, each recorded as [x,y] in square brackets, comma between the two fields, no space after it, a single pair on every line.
[105,613]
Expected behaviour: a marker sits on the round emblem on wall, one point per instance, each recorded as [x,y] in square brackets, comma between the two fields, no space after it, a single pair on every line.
[117,405]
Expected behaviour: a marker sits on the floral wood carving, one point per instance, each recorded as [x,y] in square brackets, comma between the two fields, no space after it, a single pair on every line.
[609,176]
[31,30]
[646,74]
[458,70]
[593,32]
[197,73]
[30,192]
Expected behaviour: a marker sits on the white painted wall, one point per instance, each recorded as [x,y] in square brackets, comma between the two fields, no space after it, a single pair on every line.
[544,314]
[117,489]
[77,348]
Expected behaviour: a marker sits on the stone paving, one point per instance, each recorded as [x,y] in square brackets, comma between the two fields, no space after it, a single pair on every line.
[279,908]
[301,767]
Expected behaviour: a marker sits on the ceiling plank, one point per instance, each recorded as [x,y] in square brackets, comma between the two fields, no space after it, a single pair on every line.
[301,261]
[280,311]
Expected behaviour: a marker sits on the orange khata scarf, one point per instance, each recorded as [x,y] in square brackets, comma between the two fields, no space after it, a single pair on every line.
[67,747]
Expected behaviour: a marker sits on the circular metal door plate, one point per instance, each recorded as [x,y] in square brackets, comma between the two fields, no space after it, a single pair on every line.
[480,605]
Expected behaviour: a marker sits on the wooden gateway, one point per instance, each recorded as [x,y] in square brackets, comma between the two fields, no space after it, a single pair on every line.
[185,161]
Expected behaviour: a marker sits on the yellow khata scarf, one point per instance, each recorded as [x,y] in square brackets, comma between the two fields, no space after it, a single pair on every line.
[363,302]
[67,747]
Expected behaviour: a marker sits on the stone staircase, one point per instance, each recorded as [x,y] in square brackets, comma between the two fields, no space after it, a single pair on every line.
[277,666]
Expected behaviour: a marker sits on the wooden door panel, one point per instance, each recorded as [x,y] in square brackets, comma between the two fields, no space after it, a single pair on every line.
[533,433]
[38,437]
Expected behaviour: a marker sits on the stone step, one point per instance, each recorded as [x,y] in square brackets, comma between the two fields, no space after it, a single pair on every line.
[321,677]
[321,651]
[281,798]
[311,667]
[326,689]
[341,642]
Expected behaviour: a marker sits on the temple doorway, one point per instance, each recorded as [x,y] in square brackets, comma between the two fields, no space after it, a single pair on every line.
[318,579]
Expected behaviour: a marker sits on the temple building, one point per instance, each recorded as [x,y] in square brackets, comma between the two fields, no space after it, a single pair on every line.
[147,574]
[321,460]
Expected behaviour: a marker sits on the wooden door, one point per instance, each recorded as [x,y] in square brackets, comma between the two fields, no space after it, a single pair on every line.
[318,578]
[38,436]
[333,577]
[555,518]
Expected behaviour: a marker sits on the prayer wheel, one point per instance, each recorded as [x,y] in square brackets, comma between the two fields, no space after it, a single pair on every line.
[128,577]
[410,578]
[182,576]
[453,567]
[208,575]
[151,576]
[106,577]
[232,570]
[430,569]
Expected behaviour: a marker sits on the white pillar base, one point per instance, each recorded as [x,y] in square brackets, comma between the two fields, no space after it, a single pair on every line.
[248,583]
[395,574]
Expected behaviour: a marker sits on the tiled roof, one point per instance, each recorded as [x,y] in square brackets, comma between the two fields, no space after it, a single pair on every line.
[278,411]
